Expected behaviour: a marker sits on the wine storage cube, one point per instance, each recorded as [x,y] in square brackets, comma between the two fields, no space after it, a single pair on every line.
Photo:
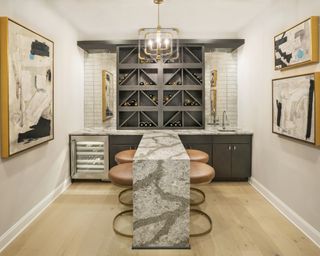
[160,95]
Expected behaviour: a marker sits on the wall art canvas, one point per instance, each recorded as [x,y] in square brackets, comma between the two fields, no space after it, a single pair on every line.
[296,108]
[26,88]
[298,45]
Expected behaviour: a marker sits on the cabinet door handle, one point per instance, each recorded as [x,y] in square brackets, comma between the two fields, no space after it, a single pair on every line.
[234,147]
[229,147]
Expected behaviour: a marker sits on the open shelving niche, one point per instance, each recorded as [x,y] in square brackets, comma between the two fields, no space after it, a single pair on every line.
[163,95]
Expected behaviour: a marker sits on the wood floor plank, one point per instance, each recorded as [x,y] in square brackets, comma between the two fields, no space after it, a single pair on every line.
[79,223]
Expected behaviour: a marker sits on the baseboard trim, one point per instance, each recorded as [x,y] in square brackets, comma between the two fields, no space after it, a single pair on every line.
[27,219]
[286,211]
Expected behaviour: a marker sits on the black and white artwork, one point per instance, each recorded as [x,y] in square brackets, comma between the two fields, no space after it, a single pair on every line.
[294,46]
[30,76]
[293,107]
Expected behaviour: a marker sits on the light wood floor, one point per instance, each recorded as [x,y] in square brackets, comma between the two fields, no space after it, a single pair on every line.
[79,223]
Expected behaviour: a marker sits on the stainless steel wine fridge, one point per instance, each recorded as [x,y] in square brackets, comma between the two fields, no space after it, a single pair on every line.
[89,157]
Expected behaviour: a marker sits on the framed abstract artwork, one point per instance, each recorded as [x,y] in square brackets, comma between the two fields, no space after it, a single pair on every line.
[26,87]
[298,45]
[107,95]
[296,107]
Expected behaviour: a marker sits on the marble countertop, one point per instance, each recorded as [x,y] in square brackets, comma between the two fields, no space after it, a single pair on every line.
[163,145]
[206,131]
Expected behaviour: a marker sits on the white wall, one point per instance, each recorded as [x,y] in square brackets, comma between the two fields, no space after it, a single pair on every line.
[288,169]
[28,178]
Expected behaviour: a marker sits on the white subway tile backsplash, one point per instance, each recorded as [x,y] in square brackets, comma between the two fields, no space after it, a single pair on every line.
[225,63]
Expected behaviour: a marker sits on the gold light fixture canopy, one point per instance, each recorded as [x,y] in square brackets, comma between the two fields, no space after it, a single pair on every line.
[158,44]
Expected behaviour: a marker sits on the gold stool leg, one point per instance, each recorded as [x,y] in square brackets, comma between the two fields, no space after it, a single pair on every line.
[127,212]
[207,231]
[199,191]
[121,200]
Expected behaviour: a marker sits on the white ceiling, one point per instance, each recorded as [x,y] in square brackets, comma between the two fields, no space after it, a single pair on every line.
[121,19]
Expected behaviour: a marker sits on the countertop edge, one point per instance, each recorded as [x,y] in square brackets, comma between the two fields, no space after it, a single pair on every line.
[114,131]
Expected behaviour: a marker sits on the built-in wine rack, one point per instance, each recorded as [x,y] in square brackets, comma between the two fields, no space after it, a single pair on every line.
[160,95]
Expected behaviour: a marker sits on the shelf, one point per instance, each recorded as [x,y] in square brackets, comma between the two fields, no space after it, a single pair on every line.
[128,77]
[128,55]
[128,119]
[183,87]
[172,119]
[161,95]
[143,108]
[128,98]
[192,54]
[182,108]
[148,119]
[148,77]
[148,98]
[192,119]
[172,98]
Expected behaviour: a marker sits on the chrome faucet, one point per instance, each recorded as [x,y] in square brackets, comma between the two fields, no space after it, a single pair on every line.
[224,119]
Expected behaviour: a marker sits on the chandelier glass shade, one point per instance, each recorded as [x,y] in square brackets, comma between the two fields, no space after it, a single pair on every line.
[158,43]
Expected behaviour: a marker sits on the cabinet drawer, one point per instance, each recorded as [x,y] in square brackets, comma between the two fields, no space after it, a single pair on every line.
[195,139]
[124,139]
[232,139]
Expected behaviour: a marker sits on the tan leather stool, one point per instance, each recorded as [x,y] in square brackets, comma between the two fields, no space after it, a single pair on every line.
[121,175]
[201,173]
[125,156]
[198,155]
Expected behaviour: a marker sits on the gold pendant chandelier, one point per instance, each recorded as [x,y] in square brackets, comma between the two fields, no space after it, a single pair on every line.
[158,44]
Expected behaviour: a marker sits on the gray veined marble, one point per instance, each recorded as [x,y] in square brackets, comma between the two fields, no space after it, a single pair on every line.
[161,192]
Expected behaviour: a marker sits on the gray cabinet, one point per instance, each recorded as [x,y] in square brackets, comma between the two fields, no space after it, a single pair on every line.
[118,143]
[230,155]
[222,161]
[241,161]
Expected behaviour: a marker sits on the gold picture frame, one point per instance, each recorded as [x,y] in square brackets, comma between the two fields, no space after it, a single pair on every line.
[294,115]
[298,45]
[27,69]
[107,82]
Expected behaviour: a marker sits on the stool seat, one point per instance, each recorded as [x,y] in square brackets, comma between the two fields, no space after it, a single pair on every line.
[201,173]
[125,156]
[198,155]
[121,174]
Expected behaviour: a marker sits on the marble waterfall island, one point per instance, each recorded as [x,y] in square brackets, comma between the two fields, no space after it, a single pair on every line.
[161,192]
